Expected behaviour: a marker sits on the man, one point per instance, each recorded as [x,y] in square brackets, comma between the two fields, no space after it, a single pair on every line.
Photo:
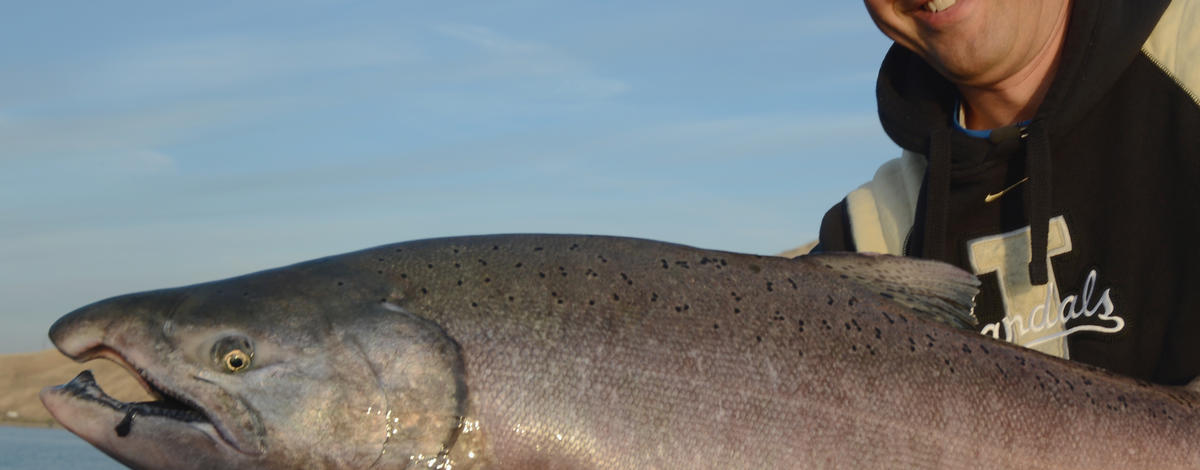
[1051,147]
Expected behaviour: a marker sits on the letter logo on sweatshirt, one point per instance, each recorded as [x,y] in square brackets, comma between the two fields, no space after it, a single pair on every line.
[1036,316]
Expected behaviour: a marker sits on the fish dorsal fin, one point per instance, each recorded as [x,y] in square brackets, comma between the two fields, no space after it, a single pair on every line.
[1193,386]
[932,289]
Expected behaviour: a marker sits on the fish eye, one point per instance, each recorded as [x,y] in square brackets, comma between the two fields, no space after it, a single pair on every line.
[233,353]
[236,360]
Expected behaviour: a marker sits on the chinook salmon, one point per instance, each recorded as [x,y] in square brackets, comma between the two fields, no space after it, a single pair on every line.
[580,352]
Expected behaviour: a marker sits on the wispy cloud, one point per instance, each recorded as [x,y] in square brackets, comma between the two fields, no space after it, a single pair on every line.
[129,141]
[502,56]
[223,61]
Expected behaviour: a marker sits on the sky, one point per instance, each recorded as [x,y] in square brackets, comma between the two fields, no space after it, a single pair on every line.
[154,144]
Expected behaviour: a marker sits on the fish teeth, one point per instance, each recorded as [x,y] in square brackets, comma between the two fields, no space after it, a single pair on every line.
[939,5]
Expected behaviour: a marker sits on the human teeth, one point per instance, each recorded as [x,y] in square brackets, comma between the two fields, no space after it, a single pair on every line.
[939,5]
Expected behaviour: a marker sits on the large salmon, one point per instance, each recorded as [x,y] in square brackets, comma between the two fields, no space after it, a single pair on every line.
[537,351]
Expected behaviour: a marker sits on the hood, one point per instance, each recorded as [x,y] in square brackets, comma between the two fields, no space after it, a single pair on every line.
[915,105]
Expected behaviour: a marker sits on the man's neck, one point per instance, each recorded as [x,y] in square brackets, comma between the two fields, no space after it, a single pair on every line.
[1015,98]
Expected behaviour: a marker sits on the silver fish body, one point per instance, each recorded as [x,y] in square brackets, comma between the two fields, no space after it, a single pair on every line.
[577,352]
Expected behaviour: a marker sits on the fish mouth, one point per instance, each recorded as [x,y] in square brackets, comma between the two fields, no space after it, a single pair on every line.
[82,398]
[84,387]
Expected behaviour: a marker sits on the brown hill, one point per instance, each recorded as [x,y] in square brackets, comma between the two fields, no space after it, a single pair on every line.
[22,376]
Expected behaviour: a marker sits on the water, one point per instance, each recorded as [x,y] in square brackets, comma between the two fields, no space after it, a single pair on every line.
[40,448]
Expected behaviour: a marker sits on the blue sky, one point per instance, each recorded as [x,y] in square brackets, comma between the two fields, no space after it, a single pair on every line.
[154,144]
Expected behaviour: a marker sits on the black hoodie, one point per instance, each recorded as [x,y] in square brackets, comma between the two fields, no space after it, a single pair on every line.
[1104,183]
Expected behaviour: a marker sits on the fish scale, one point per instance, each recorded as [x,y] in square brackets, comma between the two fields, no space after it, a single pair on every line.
[538,351]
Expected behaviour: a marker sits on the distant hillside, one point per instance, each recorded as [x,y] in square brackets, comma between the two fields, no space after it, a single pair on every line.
[22,376]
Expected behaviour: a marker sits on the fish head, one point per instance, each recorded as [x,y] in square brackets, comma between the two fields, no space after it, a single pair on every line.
[282,369]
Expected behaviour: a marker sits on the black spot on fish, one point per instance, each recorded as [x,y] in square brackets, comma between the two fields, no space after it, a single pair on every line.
[829,300]
[340,283]
[542,275]
[424,290]
[473,305]
[519,265]
[403,276]
[487,279]
[853,347]
[855,323]
[684,264]
[887,295]
[654,297]
[878,334]
[716,326]
[482,262]
[852,301]
[602,258]
[770,286]
[495,247]
[430,266]
[754,268]
[511,298]
[737,310]
[537,248]
[664,264]
[616,297]
[888,317]
[591,302]
[843,276]
[827,325]
[966,349]
[758,339]
[793,283]
[678,309]
[1001,369]
[460,282]
[574,246]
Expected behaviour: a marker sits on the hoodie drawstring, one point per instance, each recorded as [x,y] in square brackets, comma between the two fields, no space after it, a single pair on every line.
[937,195]
[1037,199]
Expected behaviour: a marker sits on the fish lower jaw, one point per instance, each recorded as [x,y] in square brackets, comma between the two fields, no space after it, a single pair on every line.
[938,5]
[111,424]
[136,440]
